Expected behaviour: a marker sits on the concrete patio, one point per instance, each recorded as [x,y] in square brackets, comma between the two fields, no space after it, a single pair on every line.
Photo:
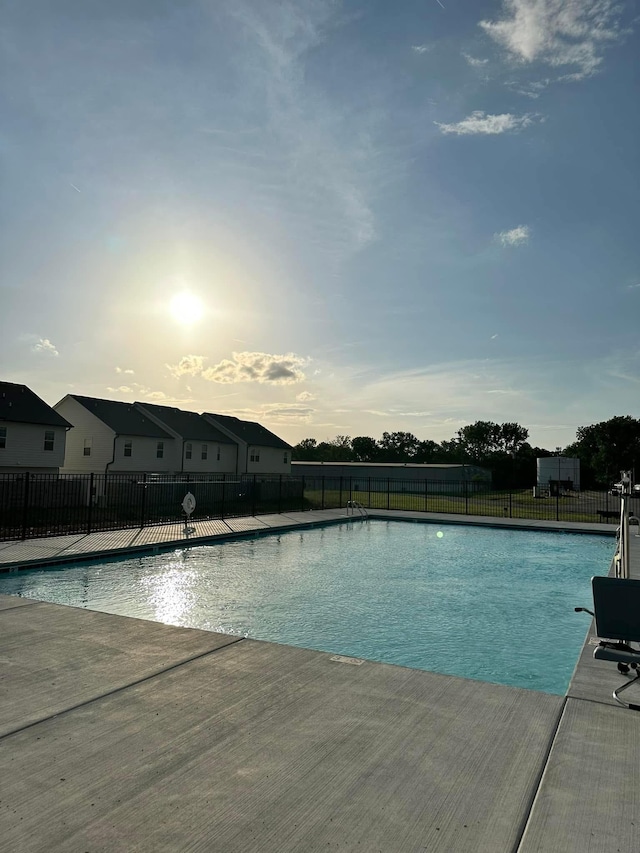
[119,735]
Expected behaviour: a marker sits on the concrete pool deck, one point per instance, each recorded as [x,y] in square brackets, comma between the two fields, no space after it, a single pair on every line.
[118,734]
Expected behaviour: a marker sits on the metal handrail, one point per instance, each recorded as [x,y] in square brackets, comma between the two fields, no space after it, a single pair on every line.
[624,489]
[353,505]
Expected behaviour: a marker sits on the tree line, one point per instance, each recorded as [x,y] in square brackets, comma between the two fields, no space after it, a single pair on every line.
[604,449]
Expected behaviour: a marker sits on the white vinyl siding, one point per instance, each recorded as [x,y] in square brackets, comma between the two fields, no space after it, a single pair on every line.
[24,448]
[85,426]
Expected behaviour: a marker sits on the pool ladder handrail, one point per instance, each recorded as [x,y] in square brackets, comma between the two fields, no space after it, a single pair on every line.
[353,505]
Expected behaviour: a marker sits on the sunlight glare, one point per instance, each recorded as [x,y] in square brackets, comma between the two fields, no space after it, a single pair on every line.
[186,308]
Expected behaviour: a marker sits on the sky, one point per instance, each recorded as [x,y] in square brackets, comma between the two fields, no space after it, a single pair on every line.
[335,217]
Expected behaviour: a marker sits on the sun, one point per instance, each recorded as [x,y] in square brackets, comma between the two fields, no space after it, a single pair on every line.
[186,308]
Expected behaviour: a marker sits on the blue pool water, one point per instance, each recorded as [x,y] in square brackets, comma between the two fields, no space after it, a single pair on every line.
[483,603]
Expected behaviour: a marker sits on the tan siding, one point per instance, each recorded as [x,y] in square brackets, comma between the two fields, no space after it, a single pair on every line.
[24,448]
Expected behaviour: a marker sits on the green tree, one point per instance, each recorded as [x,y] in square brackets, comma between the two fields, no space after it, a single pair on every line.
[365,449]
[608,447]
[398,447]
[305,451]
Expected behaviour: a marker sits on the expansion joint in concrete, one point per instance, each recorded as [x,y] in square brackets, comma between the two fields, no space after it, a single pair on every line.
[120,689]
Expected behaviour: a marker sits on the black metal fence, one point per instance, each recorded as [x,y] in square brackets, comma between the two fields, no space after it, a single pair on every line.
[464,497]
[37,505]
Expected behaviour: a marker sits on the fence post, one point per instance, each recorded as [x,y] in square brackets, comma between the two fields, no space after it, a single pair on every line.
[340,499]
[351,489]
[322,502]
[25,505]
[426,493]
[466,498]
[143,506]
[280,495]
[388,492]
[510,494]
[224,486]
[369,485]
[253,496]
[304,486]
[90,513]
[558,503]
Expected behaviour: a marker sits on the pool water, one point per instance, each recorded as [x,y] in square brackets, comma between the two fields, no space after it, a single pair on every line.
[483,603]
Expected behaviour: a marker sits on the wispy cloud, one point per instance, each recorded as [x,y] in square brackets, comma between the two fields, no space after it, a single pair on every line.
[325,164]
[481,123]
[514,237]
[45,346]
[124,370]
[633,286]
[257,367]
[474,62]
[421,48]
[493,337]
[560,33]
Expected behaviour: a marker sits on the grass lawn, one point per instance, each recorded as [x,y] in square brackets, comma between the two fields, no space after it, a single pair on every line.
[584,506]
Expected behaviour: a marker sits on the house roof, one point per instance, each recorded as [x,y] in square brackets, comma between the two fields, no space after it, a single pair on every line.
[249,431]
[20,405]
[188,425]
[122,418]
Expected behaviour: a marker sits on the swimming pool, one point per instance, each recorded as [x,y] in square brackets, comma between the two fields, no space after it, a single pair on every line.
[484,603]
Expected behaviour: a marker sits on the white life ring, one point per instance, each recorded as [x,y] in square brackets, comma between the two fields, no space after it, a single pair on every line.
[189,503]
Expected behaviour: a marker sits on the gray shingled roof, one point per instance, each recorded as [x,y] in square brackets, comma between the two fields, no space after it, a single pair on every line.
[122,418]
[20,405]
[189,425]
[250,432]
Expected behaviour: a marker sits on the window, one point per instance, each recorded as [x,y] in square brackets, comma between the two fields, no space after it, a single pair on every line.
[49,438]
[285,458]
[127,448]
[218,455]
[87,447]
[254,455]
[204,453]
[3,437]
[188,450]
[160,449]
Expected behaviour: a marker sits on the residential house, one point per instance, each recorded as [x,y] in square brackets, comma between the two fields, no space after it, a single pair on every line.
[259,450]
[32,434]
[202,447]
[110,436]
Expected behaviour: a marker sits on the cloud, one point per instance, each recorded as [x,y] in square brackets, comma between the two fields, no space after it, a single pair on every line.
[480,122]
[123,370]
[421,48]
[257,367]
[156,395]
[493,337]
[475,63]
[325,164]
[305,397]
[514,237]
[560,33]
[633,286]
[44,345]
[122,389]
[189,365]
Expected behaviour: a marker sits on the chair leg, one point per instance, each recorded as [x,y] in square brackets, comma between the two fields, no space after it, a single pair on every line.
[624,687]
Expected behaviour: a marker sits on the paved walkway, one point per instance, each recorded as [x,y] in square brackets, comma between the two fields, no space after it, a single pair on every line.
[64,549]
[118,734]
